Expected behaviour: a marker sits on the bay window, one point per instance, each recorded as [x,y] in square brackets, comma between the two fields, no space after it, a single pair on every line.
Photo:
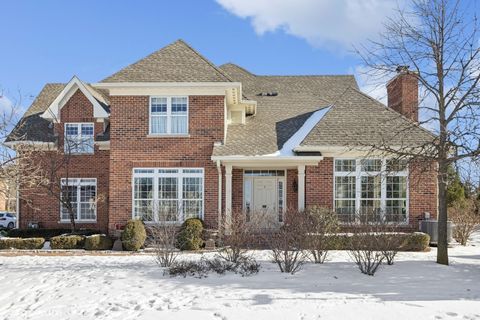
[80,194]
[370,190]
[168,115]
[168,195]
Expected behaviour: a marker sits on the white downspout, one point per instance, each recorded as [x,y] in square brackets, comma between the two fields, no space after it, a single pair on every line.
[17,204]
[219,169]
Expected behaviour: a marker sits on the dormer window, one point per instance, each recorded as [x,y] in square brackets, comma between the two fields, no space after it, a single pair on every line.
[79,138]
[168,115]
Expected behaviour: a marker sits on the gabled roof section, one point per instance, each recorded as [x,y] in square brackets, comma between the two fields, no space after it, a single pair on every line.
[177,62]
[98,100]
[357,119]
[31,126]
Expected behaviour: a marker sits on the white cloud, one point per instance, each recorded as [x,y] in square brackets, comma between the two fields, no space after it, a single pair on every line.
[336,24]
[5,104]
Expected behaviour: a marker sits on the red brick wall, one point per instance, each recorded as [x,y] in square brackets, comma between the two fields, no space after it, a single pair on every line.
[422,192]
[292,193]
[403,95]
[319,184]
[46,209]
[130,147]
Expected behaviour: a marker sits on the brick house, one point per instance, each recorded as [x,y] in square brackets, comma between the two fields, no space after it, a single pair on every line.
[173,136]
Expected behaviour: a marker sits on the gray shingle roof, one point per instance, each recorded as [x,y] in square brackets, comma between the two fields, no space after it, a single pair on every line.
[278,117]
[177,62]
[359,120]
[33,127]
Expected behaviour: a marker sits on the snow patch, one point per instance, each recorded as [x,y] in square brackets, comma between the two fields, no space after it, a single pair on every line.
[300,135]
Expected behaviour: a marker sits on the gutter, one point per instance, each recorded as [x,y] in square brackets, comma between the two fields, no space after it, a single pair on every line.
[267,158]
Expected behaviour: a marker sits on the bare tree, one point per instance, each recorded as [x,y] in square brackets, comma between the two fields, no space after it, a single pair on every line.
[438,41]
[466,219]
[14,157]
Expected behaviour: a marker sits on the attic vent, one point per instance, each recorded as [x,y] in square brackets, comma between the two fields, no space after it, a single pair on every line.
[268,94]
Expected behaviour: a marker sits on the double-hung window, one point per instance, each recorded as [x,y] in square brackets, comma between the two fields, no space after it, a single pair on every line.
[371,189]
[168,194]
[168,115]
[79,138]
[80,195]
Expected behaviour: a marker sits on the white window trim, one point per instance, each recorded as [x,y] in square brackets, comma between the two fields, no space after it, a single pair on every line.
[168,116]
[75,181]
[79,135]
[180,175]
[383,173]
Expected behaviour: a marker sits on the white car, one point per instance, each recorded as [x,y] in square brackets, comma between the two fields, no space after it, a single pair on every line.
[7,220]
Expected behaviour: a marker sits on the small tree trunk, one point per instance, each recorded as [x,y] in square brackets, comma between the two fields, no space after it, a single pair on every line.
[442,244]
[72,220]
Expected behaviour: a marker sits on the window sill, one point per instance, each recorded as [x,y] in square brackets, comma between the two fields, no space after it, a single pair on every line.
[77,221]
[182,135]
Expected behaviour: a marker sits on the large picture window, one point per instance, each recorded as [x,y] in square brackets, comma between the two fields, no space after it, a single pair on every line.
[168,194]
[168,115]
[79,138]
[81,194]
[371,189]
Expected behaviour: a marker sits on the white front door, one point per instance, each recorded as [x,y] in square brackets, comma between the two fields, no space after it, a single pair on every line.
[264,195]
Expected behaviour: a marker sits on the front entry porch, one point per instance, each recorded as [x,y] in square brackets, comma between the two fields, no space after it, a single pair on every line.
[256,188]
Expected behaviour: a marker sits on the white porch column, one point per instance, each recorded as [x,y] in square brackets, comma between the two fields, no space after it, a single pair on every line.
[301,187]
[228,194]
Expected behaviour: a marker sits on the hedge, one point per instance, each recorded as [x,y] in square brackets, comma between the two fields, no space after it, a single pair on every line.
[98,242]
[22,243]
[47,233]
[416,241]
[67,242]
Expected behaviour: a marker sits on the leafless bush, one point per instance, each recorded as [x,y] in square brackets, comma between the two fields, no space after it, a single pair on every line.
[365,246]
[288,243]
[164,240]
[237,238]
[322,224]
[201,268]
[465,217]
[390,243]
[197,269]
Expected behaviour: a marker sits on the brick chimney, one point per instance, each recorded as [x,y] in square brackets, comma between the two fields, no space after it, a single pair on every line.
[402,93]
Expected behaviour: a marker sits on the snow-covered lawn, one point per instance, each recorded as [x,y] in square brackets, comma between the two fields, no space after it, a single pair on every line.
[134,287]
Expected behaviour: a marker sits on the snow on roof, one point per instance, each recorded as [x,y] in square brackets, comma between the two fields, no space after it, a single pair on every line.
[295,140]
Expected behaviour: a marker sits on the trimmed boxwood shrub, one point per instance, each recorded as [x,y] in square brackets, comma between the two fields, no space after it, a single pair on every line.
[67,242]
[98,242]
[417,241]
[190,235]
[134,235]
[47,233]
[22,243]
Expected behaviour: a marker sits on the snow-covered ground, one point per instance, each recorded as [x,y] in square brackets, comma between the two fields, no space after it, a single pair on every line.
[134,287]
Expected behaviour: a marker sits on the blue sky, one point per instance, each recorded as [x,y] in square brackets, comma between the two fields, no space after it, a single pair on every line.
[50,41]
